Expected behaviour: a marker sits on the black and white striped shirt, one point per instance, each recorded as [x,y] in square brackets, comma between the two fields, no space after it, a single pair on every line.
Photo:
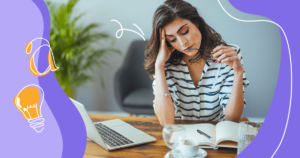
[203,102]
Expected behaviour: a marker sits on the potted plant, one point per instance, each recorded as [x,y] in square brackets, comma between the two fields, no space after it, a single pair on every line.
[73,47]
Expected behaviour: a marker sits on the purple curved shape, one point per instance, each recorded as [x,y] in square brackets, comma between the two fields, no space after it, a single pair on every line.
[21,22]
[67,116]
[268,140]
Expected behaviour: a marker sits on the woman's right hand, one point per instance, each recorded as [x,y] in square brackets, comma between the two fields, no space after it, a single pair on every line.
[164,51]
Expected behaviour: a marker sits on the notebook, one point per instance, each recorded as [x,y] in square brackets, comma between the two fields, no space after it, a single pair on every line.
[224,134]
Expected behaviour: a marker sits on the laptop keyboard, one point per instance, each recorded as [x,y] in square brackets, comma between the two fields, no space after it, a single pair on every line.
[111,137]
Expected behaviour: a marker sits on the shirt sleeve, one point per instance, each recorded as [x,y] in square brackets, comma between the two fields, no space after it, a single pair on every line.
[226,88]
[172,90]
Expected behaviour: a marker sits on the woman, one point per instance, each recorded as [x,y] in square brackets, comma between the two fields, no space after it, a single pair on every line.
[205,84]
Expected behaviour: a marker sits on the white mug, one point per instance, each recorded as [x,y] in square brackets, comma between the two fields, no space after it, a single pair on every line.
[189,148]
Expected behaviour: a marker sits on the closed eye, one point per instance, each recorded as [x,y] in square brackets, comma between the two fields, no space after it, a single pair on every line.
[173,40]
[182,29]
[184,33]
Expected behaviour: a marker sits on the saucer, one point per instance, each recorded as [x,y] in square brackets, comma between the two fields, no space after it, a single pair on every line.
[201,154]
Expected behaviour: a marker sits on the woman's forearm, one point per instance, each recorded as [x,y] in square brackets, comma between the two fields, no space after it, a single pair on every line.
[235,104]
[163,105]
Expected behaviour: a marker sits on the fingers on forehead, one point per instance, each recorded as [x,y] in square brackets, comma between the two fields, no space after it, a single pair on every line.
[160,32]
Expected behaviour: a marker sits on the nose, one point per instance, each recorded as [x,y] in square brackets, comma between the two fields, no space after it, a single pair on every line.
[183,43]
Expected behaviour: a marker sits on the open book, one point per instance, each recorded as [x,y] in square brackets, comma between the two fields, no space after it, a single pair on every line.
[224,134]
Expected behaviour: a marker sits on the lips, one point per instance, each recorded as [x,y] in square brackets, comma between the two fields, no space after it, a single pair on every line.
[188,47]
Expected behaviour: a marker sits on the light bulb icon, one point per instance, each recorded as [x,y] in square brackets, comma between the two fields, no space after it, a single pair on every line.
[29,102]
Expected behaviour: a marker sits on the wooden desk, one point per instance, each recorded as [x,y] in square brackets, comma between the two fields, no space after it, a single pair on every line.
[156,149]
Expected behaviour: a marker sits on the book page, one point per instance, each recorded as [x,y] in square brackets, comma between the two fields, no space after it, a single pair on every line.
[227,130]
[229,144]
[191,133]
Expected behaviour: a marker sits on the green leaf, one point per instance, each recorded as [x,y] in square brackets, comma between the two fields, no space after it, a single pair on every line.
[74,47]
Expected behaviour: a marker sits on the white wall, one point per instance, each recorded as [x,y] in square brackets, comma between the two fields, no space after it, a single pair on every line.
[259,42]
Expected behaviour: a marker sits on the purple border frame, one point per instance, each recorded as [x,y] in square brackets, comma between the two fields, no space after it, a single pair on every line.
[279,133]
[67,116]
[270,136]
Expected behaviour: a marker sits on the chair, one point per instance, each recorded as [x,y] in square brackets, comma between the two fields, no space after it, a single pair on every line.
[132,85]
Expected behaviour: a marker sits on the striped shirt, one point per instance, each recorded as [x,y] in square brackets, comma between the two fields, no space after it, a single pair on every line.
[203,102]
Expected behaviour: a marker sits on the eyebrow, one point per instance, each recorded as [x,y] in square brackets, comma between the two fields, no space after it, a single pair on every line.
[178,29]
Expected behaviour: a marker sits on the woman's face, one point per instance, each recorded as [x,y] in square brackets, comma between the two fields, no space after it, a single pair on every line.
[183,34]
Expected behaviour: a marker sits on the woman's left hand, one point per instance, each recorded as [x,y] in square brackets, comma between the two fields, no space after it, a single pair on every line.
[228,55]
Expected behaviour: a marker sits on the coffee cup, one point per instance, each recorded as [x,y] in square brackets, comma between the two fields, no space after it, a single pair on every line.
[189,148]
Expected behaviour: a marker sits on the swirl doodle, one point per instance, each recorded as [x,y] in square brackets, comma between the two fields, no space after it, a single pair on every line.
[122,29]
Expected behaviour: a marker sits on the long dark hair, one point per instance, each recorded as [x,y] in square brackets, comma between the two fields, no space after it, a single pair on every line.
[167,13]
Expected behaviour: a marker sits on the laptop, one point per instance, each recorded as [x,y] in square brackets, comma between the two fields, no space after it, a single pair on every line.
[112,134]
